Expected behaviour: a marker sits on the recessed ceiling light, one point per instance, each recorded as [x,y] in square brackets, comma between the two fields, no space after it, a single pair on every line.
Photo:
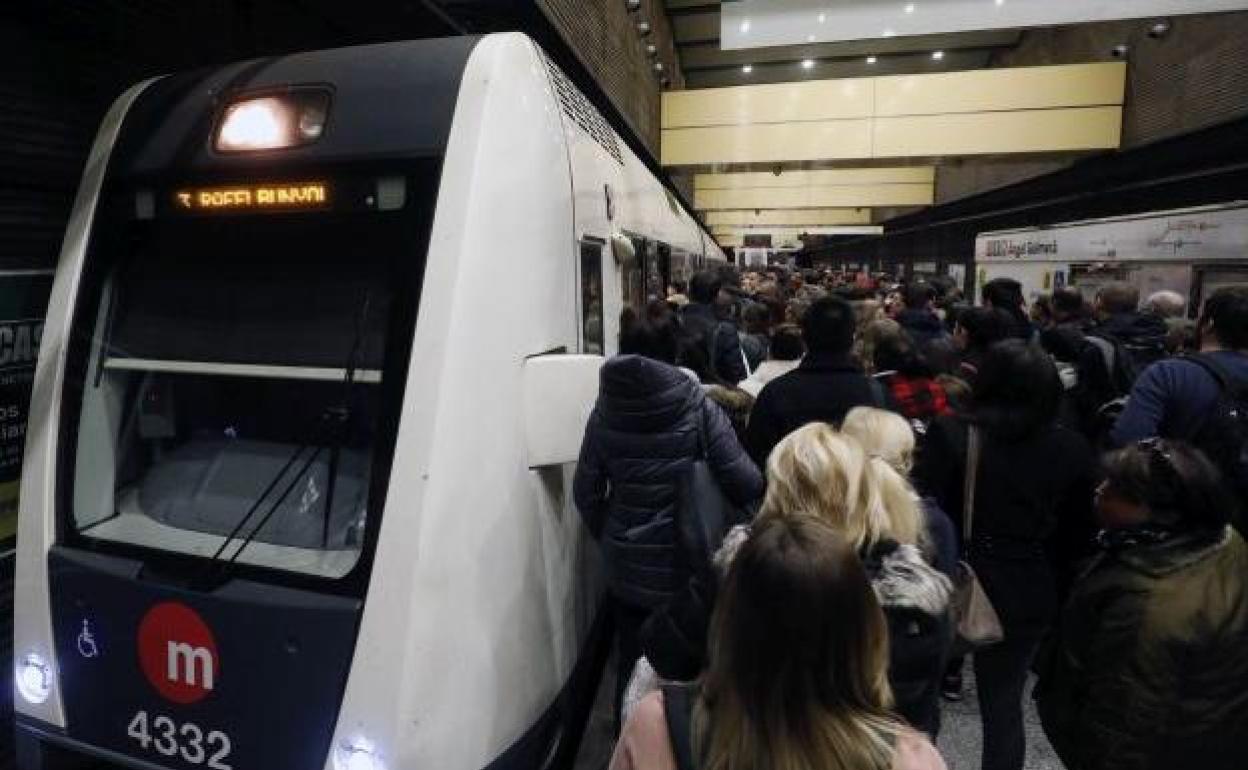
[808,64]
[745,27]
[909,7]
[871,60]
[823,17]
[1000,2]
[938,55]
[747,68]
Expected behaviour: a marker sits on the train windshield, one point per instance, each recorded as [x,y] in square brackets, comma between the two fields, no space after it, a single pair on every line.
[234,381]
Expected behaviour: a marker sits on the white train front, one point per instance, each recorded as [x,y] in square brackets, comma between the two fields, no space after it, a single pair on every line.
[322,339]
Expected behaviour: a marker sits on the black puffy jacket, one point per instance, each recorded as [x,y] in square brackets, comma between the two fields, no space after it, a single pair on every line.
[648,426]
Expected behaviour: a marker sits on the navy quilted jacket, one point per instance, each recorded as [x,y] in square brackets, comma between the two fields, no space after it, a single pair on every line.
[642,436]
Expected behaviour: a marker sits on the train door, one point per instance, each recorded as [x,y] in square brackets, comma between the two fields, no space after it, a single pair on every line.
[1209,278]
[590,306]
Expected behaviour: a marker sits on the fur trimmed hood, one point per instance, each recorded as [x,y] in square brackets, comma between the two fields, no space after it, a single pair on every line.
[900,575]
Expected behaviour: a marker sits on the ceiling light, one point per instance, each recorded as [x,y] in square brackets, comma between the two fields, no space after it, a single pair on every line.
[938,55]
[643,28]
[872,60]
[909,7]
[810,38]
[1000,2]
[652,50]
[633,5]
[747,68]
[658,67]
[823,17]
[808,64]
[745,27]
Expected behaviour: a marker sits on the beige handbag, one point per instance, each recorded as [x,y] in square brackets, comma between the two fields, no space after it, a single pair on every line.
[975,620]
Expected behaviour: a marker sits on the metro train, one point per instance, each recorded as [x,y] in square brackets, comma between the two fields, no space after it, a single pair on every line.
[321,343]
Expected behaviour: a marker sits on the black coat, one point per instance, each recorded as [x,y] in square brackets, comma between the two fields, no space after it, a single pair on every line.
[644,433]
[1033,512]
[823,388]
[704,333]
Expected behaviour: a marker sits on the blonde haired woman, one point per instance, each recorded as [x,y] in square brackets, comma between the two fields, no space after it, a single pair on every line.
[888,435]
[817,471]
[797,674]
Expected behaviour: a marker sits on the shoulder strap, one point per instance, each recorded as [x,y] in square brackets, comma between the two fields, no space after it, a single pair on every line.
[969,483]
[678,709]
[1226,381]
[878,399]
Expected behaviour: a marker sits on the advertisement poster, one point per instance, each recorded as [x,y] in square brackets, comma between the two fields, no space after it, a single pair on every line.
[23,303]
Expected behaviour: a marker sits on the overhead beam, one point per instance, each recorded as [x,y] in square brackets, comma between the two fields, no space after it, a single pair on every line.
[821,177]
[788,217]
[830,196]
[1017,110]
[822,189]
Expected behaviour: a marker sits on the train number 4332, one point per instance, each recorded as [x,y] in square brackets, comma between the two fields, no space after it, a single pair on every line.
[186,740]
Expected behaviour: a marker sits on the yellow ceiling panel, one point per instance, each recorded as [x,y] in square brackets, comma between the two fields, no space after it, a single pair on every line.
[994,90]
[824,177]
[791,217]
[770,103]
[1019,110]
[1081,128]
[769,143]
[815,197]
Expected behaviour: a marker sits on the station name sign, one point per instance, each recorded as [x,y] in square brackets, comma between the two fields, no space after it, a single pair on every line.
[254,197]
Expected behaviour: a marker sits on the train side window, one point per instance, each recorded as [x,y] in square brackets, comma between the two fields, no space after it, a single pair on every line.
[591,298]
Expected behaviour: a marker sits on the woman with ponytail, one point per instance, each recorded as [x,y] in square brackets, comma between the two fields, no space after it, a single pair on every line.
[816,471]
[797,673]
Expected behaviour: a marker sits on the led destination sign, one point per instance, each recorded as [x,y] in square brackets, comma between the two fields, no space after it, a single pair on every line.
[254,197]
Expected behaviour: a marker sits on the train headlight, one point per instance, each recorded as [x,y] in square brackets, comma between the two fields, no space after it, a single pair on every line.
[273,122]
[357,754]
[34,678]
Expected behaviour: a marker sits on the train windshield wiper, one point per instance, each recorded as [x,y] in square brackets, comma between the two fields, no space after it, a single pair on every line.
[333,423]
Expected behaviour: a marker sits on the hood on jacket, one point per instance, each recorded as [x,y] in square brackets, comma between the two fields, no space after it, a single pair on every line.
[1176,554]
[639,394]
[1134,328]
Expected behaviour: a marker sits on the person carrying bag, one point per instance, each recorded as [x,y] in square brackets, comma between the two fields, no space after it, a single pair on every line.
[976,623]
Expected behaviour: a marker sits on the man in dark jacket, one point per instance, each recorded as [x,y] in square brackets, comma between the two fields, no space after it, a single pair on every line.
[1176,398]
[1128,339]
[650,423]
[1007,294]
[826,385]
[712,349]
[918,318]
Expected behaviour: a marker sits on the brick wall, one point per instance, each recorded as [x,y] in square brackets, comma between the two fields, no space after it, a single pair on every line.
[604,36]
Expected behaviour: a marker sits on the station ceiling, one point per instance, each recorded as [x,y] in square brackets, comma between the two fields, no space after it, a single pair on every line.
[706,64]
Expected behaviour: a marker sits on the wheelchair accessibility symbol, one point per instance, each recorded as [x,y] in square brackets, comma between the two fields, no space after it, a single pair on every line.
[87,646]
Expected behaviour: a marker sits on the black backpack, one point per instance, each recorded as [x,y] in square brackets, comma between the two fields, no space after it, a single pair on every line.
[1129,360]
[1223,434]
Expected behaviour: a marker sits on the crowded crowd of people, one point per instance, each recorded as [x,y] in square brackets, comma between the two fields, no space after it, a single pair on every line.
[798,481]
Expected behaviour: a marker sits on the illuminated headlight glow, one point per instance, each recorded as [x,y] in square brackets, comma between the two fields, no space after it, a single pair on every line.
[273,122]
[33,678]
[357,754]
[257,124]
